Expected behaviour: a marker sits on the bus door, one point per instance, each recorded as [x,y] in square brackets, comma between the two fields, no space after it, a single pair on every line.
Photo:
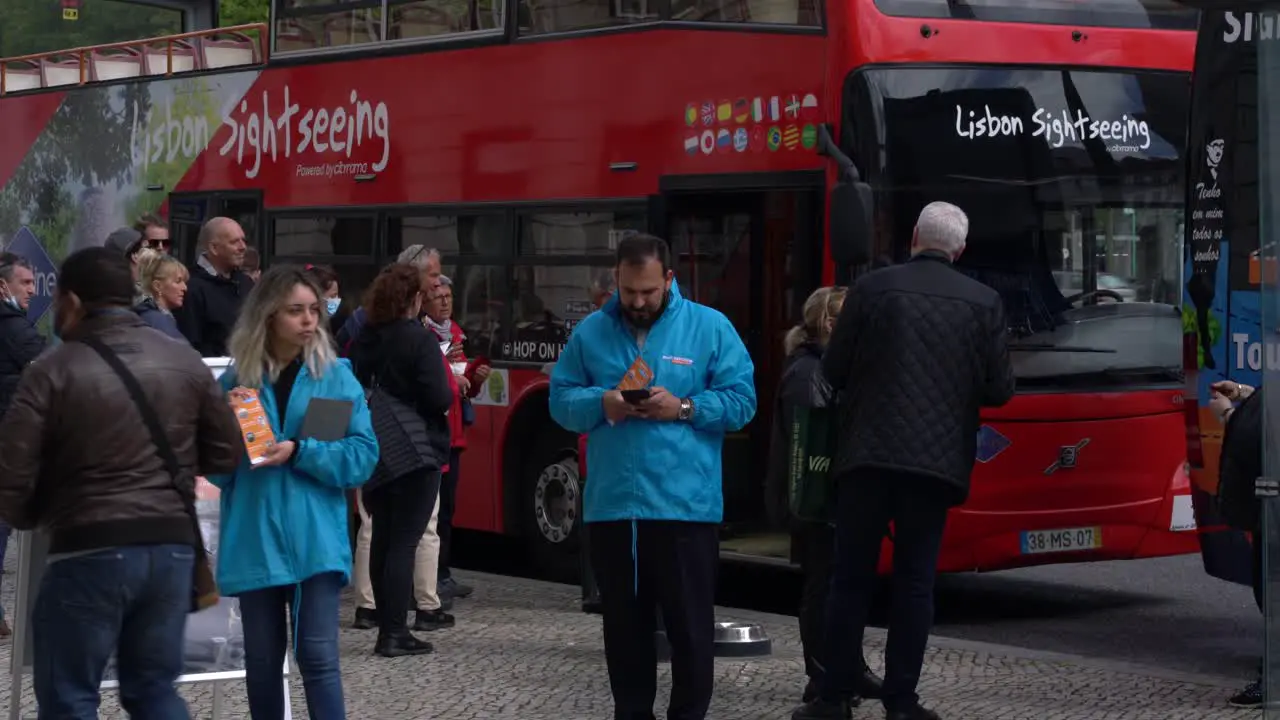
[189,211]
[755,255]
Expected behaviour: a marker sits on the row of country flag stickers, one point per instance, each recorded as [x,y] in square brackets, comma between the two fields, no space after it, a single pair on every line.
[756,138]
[774,109]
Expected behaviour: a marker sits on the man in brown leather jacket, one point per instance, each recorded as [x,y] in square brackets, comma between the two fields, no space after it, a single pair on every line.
[78,462]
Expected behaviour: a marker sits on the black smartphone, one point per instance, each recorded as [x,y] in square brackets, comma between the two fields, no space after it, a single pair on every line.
[635,397]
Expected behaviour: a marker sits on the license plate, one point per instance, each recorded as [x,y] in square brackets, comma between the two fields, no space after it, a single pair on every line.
[1067,540]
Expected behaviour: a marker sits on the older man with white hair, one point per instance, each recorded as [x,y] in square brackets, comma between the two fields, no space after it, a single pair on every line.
[917,350]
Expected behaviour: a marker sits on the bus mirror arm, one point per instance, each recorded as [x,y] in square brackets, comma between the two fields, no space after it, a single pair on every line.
[850,208]
[827,147]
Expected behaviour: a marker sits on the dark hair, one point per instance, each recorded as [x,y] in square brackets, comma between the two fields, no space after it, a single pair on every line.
[323,276]
[9,261]
[147,220]
[251,259]
[98,276]
[637,248]
[392,293]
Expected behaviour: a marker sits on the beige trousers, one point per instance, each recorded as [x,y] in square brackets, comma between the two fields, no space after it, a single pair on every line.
[425,562]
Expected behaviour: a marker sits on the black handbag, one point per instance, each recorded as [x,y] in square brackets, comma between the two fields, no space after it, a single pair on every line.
[400,431]
[204,589]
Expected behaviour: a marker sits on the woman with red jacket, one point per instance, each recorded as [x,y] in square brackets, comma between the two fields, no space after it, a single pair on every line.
[439,319]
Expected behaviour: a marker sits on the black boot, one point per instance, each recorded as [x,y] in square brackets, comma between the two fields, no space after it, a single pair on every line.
[401,645]
[428,620]
[820,709]
[366,619]
[868,685]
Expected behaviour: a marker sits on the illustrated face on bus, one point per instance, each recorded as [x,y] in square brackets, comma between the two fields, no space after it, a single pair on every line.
[296,321]
[643,290]
[18,288]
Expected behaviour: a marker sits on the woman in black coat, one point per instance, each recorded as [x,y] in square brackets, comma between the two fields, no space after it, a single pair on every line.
[812,543]
[396,354]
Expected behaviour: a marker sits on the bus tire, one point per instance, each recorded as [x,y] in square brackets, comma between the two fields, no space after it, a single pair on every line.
[552,505]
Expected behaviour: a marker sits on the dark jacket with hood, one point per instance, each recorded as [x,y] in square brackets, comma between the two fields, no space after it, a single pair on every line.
[918,350]
[211,307]
[20,344]
[405,360]
[152,315]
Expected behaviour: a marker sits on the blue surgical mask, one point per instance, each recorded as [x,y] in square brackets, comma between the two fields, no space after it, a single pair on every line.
[332,305]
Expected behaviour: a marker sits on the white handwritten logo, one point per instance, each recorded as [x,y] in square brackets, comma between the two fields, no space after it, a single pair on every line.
[326,133]
[1126,134]
[174,138]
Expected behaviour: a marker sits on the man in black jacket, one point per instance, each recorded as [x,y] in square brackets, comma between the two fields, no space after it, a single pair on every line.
[917,350]
[20,344]
[216,289]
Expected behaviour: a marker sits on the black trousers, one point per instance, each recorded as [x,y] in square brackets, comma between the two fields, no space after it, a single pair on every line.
[868,501]
[444,521]
[400,511]
[814,547]
[642,567]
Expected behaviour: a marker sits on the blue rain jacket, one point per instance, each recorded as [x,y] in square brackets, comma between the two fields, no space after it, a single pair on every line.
[646,469]
[281,525]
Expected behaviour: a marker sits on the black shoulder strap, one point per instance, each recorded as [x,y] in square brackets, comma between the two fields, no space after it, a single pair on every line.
[149,417]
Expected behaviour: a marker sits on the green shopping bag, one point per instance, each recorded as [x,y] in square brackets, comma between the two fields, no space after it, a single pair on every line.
[812,448]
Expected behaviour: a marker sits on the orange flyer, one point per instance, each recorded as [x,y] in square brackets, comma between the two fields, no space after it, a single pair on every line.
[638,376]
[254,426]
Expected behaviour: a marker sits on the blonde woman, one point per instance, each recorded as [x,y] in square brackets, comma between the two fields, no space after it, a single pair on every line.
[285,552]
[163,282]
[812,544]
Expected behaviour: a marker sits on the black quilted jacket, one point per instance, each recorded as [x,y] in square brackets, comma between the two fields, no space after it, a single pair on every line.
[917,350]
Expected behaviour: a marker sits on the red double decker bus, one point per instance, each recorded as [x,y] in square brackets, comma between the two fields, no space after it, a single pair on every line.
[520,137]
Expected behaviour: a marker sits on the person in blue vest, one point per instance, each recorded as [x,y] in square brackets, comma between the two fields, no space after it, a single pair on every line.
[654,502]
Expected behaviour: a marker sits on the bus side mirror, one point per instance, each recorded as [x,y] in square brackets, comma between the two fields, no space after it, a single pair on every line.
[851,209]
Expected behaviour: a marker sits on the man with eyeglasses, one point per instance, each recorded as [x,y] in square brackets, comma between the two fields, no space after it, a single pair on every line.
[20,344]
[216,289]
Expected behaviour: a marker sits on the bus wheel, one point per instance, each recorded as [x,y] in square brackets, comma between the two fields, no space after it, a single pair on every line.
[553,506]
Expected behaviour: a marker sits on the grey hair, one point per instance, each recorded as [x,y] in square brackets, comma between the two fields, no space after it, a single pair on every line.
[418,256]
[943,227]
[251,336]
[9,262]
[445,281]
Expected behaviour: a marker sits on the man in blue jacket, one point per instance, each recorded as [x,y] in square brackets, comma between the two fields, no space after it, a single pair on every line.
[654,501]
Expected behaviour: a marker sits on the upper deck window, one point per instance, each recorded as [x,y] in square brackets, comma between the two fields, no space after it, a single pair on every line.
[552,16]
[302,25]
[1148,14]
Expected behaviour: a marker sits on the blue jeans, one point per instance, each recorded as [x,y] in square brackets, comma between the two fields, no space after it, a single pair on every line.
[313,607]
[132,601]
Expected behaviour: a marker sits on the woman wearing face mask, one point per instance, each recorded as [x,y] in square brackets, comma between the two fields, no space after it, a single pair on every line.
[326,279]
[812,543]
[163,280]
[285,551]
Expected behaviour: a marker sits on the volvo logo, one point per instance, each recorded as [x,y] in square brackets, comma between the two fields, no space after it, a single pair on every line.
[1068,456]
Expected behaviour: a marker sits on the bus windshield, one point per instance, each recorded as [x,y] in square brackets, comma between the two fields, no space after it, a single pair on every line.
[1071,180]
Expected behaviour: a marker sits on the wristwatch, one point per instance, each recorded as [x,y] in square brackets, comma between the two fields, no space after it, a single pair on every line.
[686,410]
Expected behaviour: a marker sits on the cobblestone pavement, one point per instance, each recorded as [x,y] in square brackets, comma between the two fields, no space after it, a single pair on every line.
[523,650]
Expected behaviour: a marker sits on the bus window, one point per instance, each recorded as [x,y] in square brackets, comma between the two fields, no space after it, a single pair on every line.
[807,13]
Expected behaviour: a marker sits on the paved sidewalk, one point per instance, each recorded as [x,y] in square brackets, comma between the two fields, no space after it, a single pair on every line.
[523,651]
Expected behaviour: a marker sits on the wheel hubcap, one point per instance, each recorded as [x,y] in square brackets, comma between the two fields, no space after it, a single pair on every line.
[555,499]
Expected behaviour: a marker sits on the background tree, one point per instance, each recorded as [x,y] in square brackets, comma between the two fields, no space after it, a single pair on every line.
[35,26]
[242,12]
